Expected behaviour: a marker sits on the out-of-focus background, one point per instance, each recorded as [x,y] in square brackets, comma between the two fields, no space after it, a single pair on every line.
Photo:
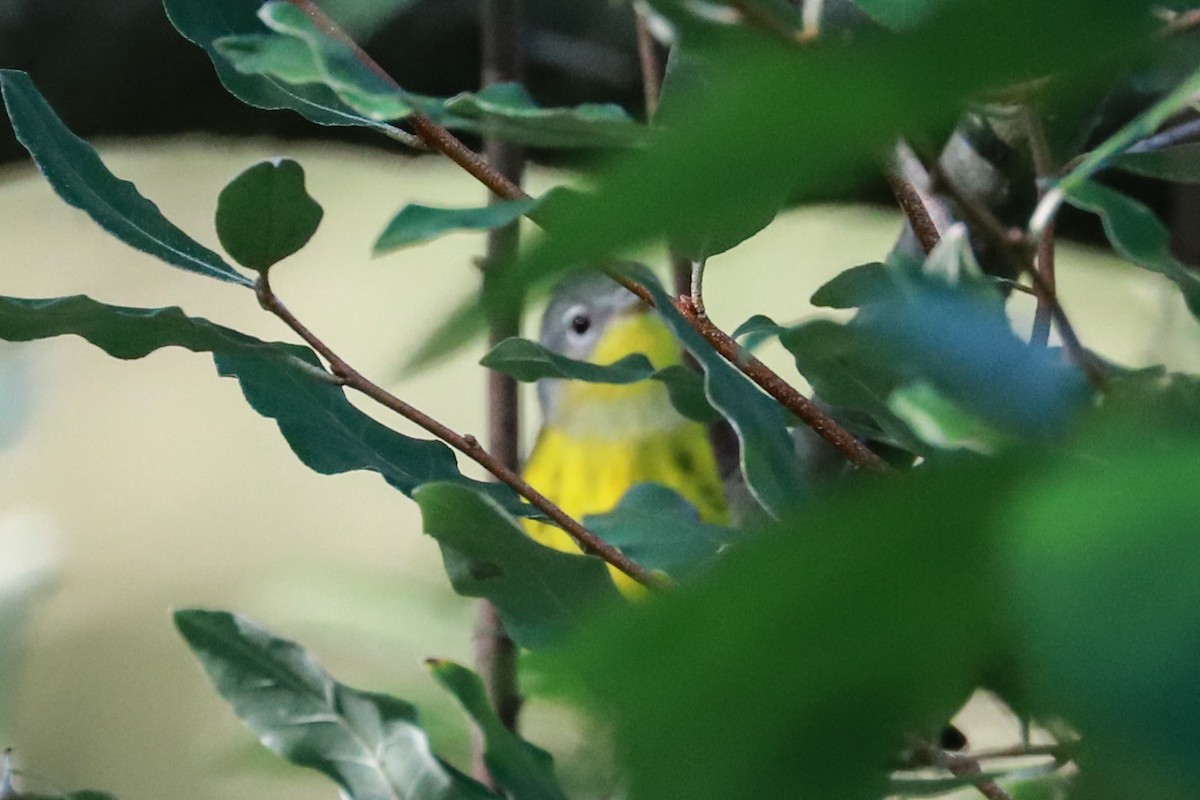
[130,488]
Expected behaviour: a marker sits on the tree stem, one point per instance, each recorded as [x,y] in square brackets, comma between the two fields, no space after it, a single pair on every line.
[495,652]
[1043,165]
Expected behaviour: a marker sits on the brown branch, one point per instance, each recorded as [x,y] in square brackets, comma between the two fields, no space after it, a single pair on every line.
[913,205]
[824,425]
[961,766]
[495,652]
[652,72]
[1015,247]
[466,444]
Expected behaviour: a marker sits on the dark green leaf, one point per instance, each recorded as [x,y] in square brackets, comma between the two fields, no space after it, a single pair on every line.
[370,744]
[79,177]
[756,331]
[1105,558]
[1180,164]
[416,224]
[264,214]
[660,530]
[940,423]
[539,593]
[528,361]
[1137,234]
[506,111]
[768,458]
[901,15]
[795,667]
[523,771]
[204,22]
[856,287]
[282,382]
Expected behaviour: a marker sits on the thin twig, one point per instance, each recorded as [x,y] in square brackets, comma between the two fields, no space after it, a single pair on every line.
[1043,165]
[824,425]
[913,205]
[696,288]
[1169,137]
[961,766]
[468,445]
[1015,246]
[652,73]
[446,143]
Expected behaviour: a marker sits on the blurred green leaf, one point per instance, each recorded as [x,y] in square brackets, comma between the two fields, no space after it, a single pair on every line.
[940,423]
[768,458]
[660,530]
[956,338]
[796,666]
[856,287]
[507,111]
[523,771]
[417,224]
[540,593]
[265,214]
[80,178]
[901,15]
[1104,563]
[1137,234]
[1180,163]
[204,22]
[370,744]
[282,382]
[528,361]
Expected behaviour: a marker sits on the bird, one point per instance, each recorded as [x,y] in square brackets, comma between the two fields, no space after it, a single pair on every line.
[598,440]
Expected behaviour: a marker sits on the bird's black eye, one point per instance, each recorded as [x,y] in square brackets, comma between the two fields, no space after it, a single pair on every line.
[580,323]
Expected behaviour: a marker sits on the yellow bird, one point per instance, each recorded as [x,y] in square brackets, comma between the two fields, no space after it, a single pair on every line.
[597,440]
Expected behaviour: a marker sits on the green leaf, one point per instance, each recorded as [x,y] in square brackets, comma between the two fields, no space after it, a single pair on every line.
[333,62]
[856,287]
[1180,163]
[1139,127]
[958,339]
[942,424]
[524,771]
[752,333]
[80,178]
[660,530]
[794,668]
[528,361]
[768,458]
[417,224]
[1137,234]
[281,382]
[204,22]
[265,214]
[1104,558]
[539,593]
[506,111]
[370,744]
[901,15]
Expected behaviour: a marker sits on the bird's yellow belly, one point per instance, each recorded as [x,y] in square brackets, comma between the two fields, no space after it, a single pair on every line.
[589,475]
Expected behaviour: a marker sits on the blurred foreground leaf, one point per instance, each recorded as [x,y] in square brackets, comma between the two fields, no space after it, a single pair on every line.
[80,178]
[1180,164]
[417,224]
[282,382]
[540,593]
[265,214]
[798,664]
[370,744]
[523,771]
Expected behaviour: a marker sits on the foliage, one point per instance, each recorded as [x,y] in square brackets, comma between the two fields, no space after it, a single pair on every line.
[1033,534]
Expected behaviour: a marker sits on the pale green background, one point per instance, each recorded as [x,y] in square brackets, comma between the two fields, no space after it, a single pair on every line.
[166,490]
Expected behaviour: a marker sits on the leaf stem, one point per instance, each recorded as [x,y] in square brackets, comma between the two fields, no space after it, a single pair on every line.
[649,61]
[466,444]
